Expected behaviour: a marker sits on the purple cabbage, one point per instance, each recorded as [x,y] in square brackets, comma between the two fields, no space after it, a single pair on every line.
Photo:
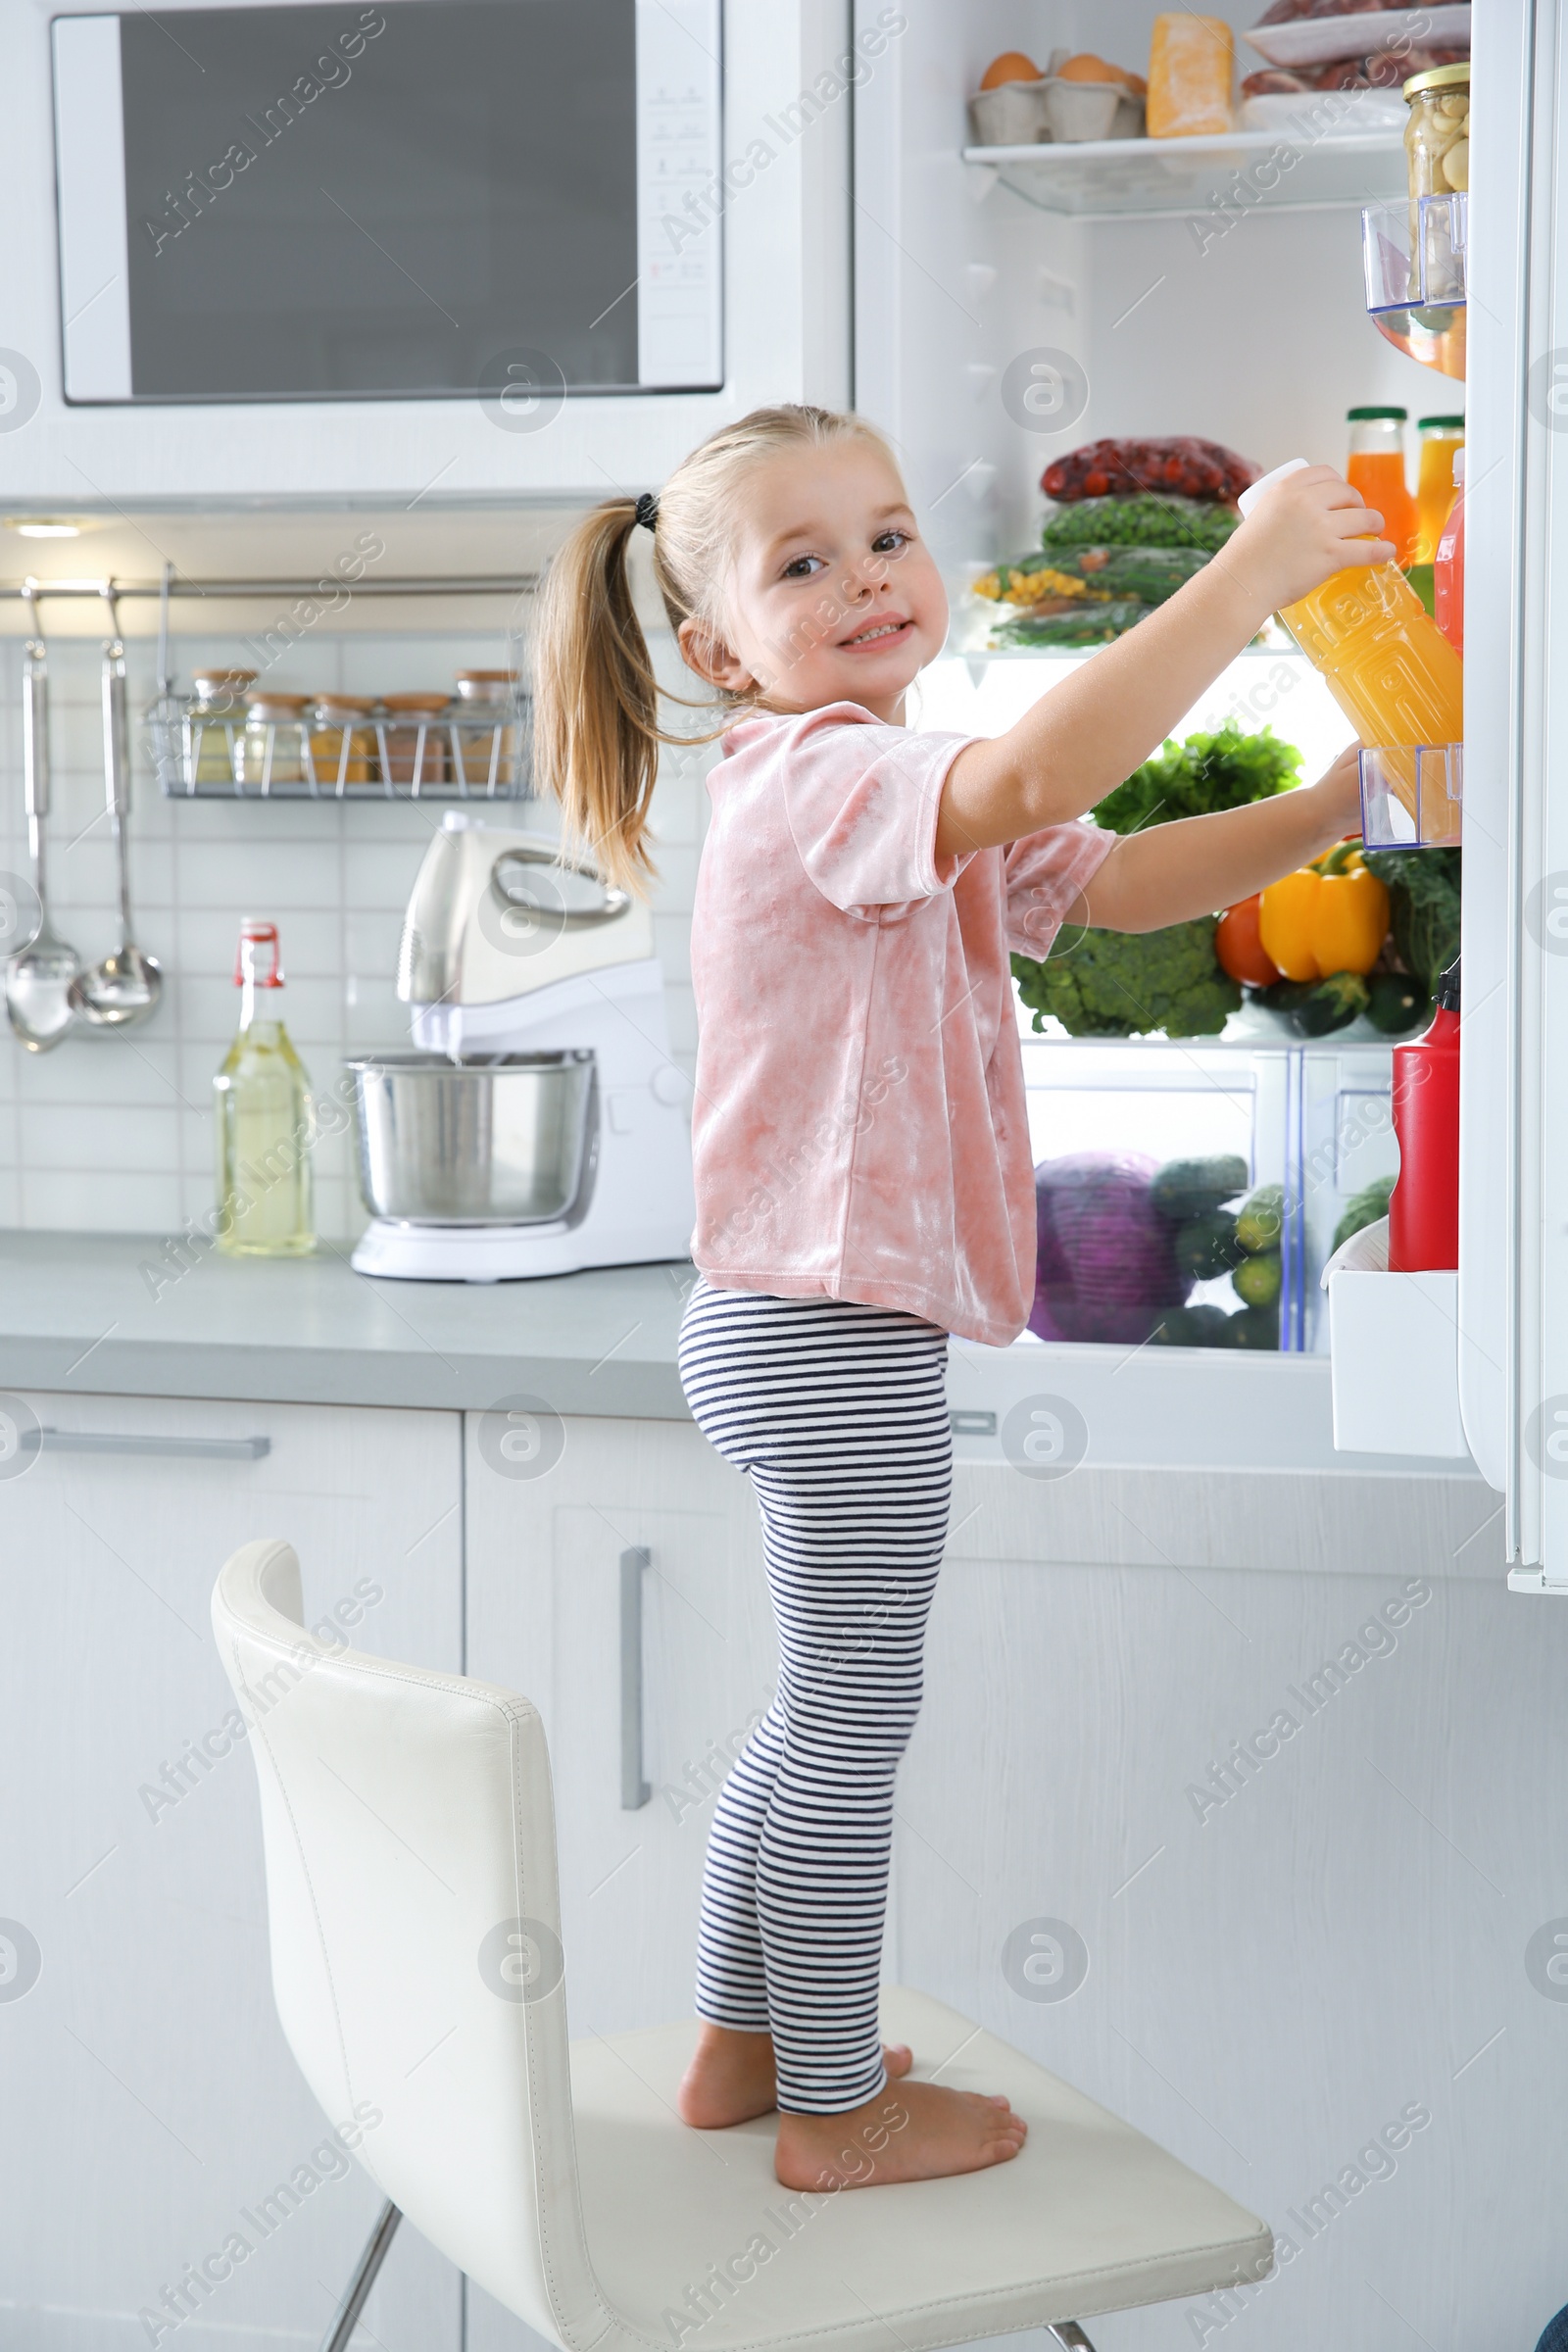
[1105,1268]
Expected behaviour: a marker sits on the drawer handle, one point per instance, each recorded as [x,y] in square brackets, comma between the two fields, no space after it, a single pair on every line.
[973,1424]
[634,1790]
[94,1440]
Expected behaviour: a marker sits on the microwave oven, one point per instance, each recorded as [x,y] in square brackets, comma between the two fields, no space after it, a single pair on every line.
[423,200]
[419,248]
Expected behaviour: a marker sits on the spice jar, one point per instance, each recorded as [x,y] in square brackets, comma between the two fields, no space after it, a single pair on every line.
[269,753]
[416,739]
[486,733]
[220,705]
[341,751]
[1436,132]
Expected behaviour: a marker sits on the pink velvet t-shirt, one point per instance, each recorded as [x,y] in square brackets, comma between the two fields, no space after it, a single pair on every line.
[860,1129]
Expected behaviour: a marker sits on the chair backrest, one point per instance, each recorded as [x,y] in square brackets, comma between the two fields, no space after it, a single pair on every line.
[415,1920]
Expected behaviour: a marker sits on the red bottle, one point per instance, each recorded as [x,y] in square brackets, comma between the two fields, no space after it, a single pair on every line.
[1447,569]
[1424,1211]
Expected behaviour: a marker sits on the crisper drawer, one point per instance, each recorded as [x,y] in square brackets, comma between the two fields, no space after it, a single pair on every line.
[1188,1191]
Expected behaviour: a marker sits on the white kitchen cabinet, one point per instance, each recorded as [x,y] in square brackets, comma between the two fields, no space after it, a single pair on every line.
[544,1545]
[1265,1959]
[150,2099]
[544,1577]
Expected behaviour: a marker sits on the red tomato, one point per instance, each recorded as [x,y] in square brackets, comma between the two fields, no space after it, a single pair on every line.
[1240,948]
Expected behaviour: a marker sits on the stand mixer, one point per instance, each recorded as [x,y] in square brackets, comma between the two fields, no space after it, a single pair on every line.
[541,1126]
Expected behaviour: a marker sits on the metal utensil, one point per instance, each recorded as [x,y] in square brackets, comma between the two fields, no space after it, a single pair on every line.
[127,985]
[39,981]
[503,1139]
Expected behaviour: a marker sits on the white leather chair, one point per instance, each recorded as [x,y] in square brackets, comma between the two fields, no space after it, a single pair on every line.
[411,1873]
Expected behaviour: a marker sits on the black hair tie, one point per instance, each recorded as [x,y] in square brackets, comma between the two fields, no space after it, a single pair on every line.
[646,511]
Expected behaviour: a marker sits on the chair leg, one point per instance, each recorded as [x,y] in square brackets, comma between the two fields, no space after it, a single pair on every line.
[371,2261]
[1070,2337]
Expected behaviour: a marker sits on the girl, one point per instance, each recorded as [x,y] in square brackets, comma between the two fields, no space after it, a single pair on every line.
[861,1152]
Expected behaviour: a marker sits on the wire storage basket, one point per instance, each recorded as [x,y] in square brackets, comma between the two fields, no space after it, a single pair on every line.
[199,755]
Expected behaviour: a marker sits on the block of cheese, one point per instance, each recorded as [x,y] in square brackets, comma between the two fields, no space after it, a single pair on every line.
[1192,62]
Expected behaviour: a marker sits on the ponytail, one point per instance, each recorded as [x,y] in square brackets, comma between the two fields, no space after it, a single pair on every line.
[596,699]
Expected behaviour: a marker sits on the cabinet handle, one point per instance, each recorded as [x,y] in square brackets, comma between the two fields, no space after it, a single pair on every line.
[95,1440]
[634,1790]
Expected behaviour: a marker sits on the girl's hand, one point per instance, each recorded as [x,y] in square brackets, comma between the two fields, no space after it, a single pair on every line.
[1301,533]
[1169,873]
[1338,795]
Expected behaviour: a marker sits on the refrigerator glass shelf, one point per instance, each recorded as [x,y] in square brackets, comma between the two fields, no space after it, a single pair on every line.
[981,655]
[1221,178]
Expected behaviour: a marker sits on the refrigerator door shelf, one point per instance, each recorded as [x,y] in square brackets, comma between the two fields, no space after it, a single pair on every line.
[1394,1343]
[1412,796]
[1415,257]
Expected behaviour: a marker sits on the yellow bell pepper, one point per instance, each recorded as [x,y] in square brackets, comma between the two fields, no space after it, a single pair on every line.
[1312,925]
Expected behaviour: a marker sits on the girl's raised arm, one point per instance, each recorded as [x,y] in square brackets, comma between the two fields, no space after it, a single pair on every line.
[1088,734]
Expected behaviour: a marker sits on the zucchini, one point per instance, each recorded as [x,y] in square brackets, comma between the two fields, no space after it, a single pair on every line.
[1254,1327]
[1193,1327]
[1396,1004]
[1206,1247]
[1184,1189]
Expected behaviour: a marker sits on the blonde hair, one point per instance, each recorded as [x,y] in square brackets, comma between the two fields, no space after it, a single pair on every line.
[596,699]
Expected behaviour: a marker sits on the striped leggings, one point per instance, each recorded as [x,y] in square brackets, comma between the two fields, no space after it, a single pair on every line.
[839,1414]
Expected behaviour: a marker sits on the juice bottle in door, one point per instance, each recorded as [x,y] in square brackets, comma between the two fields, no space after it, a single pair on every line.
[1448,573]
[1424,1209]
[1376,468]
[1386,664]
[1442,440]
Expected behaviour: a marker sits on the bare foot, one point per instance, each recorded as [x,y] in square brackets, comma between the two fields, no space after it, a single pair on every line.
[730,2078]
[920,2132]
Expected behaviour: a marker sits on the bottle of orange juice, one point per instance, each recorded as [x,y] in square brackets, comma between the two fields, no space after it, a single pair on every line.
[1386,663]
[1376,468]
[1442,440]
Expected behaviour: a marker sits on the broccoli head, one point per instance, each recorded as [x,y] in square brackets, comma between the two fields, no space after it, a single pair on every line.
[1128,984]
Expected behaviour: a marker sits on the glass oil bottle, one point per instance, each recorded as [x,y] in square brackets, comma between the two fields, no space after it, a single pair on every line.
[263,1118]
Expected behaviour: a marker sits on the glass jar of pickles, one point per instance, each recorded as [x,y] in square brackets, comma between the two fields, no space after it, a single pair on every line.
[219,709]
[342,741]
[1436,132]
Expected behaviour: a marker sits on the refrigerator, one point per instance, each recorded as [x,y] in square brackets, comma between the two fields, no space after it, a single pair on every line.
[1218,288]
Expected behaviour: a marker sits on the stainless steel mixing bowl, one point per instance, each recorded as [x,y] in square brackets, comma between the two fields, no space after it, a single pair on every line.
[497,1139]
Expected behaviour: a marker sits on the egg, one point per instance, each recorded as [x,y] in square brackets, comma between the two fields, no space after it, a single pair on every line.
[1010,66]
[1089,68]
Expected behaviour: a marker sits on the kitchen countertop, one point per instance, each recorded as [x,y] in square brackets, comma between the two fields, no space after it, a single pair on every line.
[114,1314]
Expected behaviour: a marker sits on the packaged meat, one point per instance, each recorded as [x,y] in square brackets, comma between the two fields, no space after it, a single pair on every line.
[1192,65]
[1310,36]
[1177,465]
[1273,81]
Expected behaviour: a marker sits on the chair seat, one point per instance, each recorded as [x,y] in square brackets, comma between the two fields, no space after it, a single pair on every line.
[1090,2216]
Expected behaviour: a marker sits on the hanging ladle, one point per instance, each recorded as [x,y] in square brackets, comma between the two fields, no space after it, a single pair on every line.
[127,985]
[39,981]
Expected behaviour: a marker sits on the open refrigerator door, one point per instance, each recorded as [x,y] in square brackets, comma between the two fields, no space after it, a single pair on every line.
[1015,304]
[1513,1256]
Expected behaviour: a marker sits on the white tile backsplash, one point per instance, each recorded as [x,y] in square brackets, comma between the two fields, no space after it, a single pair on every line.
[114,1132]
